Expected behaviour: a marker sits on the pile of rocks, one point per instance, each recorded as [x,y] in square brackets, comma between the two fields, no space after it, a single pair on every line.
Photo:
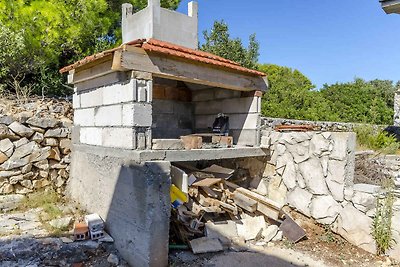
[35,145]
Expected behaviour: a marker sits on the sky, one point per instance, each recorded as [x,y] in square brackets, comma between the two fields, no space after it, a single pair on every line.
[329,41]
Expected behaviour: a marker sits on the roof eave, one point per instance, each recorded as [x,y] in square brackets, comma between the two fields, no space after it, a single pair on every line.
[391,6]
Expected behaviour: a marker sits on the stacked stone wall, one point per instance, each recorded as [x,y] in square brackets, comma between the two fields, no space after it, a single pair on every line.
[35,145]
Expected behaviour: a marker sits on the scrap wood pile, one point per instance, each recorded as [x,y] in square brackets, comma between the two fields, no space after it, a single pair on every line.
[212,213]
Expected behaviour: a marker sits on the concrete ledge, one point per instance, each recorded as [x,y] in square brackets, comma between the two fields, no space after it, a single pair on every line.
[175,155]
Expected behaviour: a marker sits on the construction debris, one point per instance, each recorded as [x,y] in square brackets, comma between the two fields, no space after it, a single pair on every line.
[211,213]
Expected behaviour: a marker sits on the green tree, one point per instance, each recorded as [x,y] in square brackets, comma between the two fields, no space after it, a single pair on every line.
[57,32]
[219,42]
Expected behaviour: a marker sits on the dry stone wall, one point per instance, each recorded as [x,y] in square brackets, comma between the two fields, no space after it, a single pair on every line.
[35,145]
[313,172]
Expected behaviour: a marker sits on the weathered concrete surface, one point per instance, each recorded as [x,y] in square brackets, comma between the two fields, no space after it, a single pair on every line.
[133,199]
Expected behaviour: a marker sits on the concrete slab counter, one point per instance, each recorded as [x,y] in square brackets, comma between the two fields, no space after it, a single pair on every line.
[154,86]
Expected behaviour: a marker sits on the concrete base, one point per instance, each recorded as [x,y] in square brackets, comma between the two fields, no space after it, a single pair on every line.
[132,198]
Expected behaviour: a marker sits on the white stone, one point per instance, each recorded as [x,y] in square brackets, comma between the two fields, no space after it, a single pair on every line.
[270,232]
[280,149]
[9,202]
[58,132]
[337,171]
[21,130]
[343,143]
[249,228]
[394,252]
[61,223]
[367,188]
[299,152]
[21,142]
[7,147]
[301,137]
[108,116]
[355,227]
[222,229]
[363,201]
[348,193]
[262,187]
[324,209]
[277,190]
[113,259]
[289,175]
[84,117]
[137,114]
[204,245]
[318,145]
[37,137]
[300,199]
[336,189]
[311,170]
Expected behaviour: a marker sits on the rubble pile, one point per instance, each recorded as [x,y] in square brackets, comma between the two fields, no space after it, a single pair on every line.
[35,145]
[211,212]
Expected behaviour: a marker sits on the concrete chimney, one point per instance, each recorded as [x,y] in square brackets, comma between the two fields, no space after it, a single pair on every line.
[162,24]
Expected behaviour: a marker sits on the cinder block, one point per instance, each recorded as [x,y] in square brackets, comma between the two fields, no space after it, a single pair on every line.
[232,105]
[120,93]
[84,117]
[108,116]
[92,98]
[118,137]
[137,114]
[91,136]
[76,101]
[144,90]
[244,121]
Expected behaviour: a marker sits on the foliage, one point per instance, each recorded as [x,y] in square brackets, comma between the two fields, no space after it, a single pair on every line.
[53,33]
[373,138]
[382,223]
[219,42]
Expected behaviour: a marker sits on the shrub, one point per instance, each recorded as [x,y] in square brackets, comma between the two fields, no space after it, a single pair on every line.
[371,137]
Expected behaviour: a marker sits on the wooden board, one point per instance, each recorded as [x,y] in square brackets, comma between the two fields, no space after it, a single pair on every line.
[207,182]
[192,142]
[245,202]
[219,171]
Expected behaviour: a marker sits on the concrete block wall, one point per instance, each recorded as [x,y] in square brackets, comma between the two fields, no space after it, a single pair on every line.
[243,112]
[117,115]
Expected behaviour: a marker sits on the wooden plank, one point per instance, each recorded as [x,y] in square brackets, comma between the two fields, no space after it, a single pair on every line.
[171,68]
[268,211]
[207,182]
[245,202]
[98,70]
[192,142]
[100,81]
[209,192]
[219,171]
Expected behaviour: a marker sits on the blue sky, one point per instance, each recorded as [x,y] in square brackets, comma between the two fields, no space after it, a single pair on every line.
[329,41]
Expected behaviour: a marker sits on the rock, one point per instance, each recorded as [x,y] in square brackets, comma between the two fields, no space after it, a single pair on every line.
[55,154]
[59,181]
[204,245]
[65,145]
[24,150]
[342,143]
[277,190]
[26,168]
[44,174]
[14,163]
[61,223]
[43,164]
[37,137]
[16,179]
[6,133]
[59,133]
[21,142]
[6,189]
[394,251]
[10,202]
[278,236]
[56,165]
[224,229]
[7,147]
[300,199]
[42,122]
[363,201]
[337,171]
[113,259]
[348,193]
[40,154]
[299,152]
[250,228]
[50,142]
[324,209]
[319,145]
[289,175]
[19,189]
[6,174]
[336,189]
[7,120]
[22,117]
[311,170]
[21,130]
[37,184]
[27,183]
[355,227]
[367,188]
[3,157]
[270,232]
[66,240]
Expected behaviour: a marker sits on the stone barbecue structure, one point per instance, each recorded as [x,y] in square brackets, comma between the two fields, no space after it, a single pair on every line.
[132,104]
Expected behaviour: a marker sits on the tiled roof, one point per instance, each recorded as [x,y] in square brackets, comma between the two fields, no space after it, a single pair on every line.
[168,49]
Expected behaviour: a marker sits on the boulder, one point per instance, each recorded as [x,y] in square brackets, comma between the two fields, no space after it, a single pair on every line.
[7,147]
[300,199]
[311,170]
[363,201]
[394,252]
[250,228]
[14,163]
[325,209]
[6,189]
[7,120]
[342,143]
[37,137]
[318,145]
[24,150]
[355,227]
[58,133]
[20,142]
[42,122]
[40,154]
[21,130]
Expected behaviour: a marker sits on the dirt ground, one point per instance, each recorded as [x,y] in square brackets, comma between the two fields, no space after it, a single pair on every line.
[321,248]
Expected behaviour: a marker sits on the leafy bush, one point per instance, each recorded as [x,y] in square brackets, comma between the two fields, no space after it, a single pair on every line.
[372,138]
